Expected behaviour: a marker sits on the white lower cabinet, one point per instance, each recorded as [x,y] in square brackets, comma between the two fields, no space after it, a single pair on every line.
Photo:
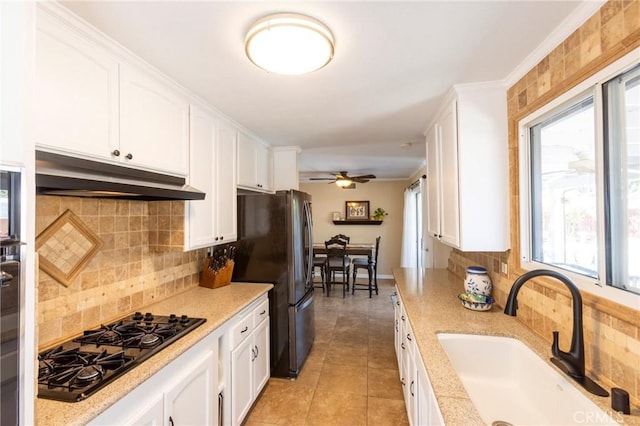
[190,399]
[421,404]
[182,393]
[233,361]
[250,361]
[150,415]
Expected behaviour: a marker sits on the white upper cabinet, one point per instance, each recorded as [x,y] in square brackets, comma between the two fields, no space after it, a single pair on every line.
[213,148]
[226,182]
[92,104]
[468,169]
[76,92]
[285,167]
[255,164]
[16,74]
[154,123]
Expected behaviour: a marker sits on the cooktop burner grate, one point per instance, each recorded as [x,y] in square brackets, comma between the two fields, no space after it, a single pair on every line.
[79,367]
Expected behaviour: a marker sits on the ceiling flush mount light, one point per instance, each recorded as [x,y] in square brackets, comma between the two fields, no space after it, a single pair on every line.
[343,183]
[289,43]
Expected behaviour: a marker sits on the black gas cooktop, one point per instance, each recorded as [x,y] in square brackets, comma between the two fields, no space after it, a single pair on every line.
[79,367]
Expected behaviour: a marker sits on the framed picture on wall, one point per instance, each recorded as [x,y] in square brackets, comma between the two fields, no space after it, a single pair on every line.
[356,210]
[336,216]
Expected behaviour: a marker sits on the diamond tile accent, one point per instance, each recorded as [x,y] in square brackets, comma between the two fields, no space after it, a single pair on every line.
[65,247]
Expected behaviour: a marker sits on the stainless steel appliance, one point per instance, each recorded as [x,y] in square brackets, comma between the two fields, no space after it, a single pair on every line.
[11,288]
[275,245]
[62,175]
[79,367]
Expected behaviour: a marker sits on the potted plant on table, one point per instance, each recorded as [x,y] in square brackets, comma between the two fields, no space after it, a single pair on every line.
[379,214]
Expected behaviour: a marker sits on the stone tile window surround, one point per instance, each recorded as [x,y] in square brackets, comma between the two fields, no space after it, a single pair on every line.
[580,116]
[612,330]
[127,273]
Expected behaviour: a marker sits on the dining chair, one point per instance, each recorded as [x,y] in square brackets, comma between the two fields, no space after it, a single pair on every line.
[371,265]
[342,237]
[337,262]
[318,262]
[347,239]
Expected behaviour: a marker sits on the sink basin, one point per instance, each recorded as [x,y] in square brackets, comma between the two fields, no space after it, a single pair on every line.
[510,384]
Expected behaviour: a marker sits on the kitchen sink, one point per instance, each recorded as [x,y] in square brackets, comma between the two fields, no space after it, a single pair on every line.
[510,384]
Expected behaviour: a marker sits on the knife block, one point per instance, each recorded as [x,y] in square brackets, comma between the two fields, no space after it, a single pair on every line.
[220,278]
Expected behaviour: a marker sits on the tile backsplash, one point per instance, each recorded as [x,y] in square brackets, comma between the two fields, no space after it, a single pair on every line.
[612,331]
[140,262]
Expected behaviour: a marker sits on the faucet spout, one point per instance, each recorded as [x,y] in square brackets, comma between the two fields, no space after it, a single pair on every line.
[572,363]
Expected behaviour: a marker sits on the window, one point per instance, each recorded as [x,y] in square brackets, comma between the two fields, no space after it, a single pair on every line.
[621,97]
[563,183]
[580,183]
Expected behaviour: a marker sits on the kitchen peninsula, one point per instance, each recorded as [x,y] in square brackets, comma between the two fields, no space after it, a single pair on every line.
[217,306]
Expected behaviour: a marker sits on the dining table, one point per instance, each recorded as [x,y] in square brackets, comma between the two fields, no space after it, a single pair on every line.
[353,249]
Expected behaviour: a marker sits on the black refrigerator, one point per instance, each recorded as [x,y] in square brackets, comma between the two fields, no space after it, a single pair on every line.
[275,245]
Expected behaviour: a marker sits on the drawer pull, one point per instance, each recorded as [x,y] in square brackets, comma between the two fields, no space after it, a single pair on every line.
[263,312]
[244,330]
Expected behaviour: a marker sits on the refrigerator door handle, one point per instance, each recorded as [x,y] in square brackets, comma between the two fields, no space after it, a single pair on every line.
[307,214]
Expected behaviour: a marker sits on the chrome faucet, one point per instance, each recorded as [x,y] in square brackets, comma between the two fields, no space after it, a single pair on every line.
[572,362]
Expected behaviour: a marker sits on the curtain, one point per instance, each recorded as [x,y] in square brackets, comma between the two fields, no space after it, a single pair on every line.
[408,252]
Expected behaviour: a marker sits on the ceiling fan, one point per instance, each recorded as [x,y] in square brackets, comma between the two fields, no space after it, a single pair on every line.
[343,179]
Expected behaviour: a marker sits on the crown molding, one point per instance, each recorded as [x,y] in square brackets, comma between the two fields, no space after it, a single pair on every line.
[571,23]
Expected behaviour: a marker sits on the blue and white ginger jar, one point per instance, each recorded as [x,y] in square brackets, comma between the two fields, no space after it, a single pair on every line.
[477,281]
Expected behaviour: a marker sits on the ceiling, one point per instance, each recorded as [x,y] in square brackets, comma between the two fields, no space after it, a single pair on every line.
[367,110]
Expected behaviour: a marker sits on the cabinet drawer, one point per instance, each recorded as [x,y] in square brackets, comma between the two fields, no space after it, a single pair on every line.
[261,312]
[242,329]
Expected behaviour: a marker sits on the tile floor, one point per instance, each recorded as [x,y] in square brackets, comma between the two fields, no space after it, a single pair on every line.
[351,375]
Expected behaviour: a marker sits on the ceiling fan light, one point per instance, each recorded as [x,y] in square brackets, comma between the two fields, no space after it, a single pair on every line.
[342,183]
[289,44]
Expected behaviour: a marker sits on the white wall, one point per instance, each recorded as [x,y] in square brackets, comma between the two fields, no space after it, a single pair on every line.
[328,198]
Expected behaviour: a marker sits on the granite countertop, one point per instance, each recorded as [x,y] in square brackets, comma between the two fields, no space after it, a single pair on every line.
[432,306]
[216,305]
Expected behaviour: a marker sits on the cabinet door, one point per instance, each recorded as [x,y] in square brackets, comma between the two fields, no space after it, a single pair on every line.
[433,182]
[16,78]
[154,122]
[193,400]
[247,158]
[241,380]
[150,415]
[261,367]
[412,392]
[255,164]
[225,183]
[397,313]
[264,167]
[449,213]
[201,231]
[76,93]
[422,409]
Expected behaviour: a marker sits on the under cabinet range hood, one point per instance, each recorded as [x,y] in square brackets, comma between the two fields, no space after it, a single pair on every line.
[68,176]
